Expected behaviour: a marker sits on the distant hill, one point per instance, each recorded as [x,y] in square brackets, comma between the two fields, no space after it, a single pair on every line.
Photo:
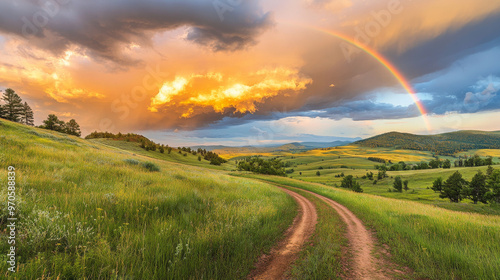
[442,144]
[291,147]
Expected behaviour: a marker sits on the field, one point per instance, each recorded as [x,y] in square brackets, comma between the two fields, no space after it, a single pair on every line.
[436,243]
[352,160]
[89,211]
[104,209]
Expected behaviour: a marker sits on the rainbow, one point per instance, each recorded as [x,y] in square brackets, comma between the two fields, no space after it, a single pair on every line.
[387,64]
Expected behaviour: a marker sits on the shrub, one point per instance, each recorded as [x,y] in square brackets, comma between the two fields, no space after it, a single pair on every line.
[131,161]
[151,166]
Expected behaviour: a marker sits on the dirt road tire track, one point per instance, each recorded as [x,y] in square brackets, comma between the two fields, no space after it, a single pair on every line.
[278,262]
[361,243]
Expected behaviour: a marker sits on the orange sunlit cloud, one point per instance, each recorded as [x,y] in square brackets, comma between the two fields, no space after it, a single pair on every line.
[219,93]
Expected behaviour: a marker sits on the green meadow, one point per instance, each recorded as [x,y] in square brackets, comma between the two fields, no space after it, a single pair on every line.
[106,209]
[90,211]
[436,243]
[352,160]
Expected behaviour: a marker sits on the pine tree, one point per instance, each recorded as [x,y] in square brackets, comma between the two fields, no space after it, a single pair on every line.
[477,188]
[405,183]
[12,110]
[398,184]
[437,185]
[53,123]
[27,115]
[493,183]
[453,187]
[356,187]
[489,171]
[73,128]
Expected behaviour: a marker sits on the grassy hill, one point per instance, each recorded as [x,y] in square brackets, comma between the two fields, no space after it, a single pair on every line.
[88,210]
[442,144]
[174,156]
[296,147]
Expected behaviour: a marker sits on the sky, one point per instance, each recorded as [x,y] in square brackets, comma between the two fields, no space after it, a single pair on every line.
[254,72]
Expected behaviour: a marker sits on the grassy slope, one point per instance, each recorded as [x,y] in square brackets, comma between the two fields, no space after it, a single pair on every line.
[84,212]
[174,156]
[436,243]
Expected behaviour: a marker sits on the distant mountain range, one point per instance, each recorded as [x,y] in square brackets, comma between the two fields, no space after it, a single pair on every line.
[446,144]
[272,148]
[442,144]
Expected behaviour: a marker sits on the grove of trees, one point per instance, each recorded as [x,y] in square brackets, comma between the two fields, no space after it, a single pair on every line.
[348,182]
[482,188]
[257,164]
[54,123]
[14,109]
[465,161]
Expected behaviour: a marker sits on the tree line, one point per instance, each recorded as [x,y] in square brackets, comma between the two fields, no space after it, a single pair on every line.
[466,161]
[15,110]
[149,145]
[214,158]
[447,144]
[256,164]
[482,188]
[54,123]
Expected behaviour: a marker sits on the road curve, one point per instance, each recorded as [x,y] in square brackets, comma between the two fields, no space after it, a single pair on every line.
[361,243]
[275,265]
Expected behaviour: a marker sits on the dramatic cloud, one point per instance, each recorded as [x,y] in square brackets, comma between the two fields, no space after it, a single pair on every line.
[104,28]
[213,92]
[219,64]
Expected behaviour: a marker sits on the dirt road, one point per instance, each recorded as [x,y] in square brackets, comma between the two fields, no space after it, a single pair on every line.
[361,243]
[275,265]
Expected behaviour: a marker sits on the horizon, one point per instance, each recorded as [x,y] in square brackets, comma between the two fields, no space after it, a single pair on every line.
[256,73]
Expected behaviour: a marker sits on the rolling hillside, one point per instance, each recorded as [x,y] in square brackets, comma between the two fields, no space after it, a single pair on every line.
[447,144]
[90,211]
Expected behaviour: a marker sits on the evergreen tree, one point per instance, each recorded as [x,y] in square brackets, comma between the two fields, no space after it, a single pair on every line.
[53,123]
[489,171]
[13,108]
[347,182]
[437,185]
[318,173]
[453,187]
[398,184]
[27,115]
[405,185]
[356,187]
[477,188]
[73,128]
[493,183]
[447,164]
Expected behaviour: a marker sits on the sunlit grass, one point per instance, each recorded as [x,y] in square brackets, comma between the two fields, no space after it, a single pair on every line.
[89,211]
[435,242]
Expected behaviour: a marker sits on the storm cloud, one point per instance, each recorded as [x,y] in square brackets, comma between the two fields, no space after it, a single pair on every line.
[103,28]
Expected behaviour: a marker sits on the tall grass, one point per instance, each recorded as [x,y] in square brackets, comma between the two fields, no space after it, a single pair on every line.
[86,211]
[435,242]
[322,258]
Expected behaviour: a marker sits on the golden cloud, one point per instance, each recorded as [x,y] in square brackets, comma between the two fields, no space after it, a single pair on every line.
[62,89]
[196,93]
